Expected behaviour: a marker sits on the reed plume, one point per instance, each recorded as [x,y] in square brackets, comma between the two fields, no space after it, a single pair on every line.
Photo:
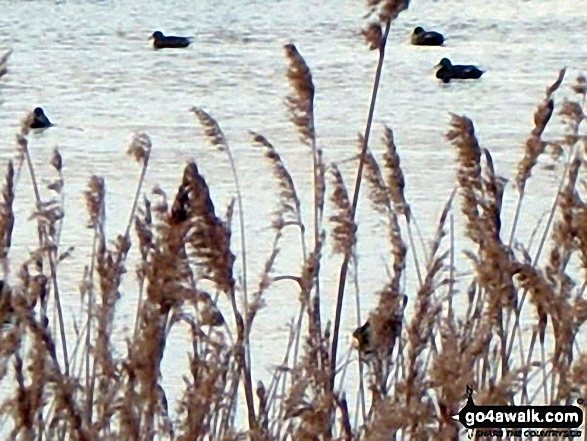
[373,35]
[387,10]
[208,236]
[95,201]
[301,102]
[301,106]
[535,145]
[289,202]
[4,63]
[378,190]
[580,87]
[395,177]
[390,9]
[462,135]
[344,230]
[6,217]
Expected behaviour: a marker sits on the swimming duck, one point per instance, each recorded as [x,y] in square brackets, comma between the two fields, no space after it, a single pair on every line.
[420,37]
[448,71]
[160,41]
[40,120]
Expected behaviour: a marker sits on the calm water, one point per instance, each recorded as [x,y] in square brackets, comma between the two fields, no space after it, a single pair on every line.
[89,65]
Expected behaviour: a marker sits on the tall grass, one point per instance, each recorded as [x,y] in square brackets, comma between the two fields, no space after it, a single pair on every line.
[416,353]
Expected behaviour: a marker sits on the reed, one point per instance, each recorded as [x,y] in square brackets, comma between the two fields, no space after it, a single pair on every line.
[4,63]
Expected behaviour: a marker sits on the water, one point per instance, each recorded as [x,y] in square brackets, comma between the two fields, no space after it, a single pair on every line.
[88,64]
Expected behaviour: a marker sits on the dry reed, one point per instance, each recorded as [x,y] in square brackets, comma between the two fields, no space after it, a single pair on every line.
[4,63]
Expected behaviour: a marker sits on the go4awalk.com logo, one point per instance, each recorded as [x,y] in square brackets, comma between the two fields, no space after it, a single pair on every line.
[520,421]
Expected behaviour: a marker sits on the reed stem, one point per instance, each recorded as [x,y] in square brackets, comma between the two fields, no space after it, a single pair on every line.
[345,263]
[52,267]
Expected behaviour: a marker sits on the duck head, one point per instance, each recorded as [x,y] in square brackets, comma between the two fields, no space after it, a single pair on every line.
[445,62]
[157,35]
[419,30]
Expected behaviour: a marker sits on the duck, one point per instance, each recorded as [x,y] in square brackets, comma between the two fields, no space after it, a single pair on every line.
[40,120]
[362,339]
[160,41]
[420,37]
[449,71]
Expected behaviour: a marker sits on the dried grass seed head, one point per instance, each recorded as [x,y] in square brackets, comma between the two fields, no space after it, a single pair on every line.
[56,160]
[140,148]
[95,200]
[554,87]
[373,35]
[580,86]
[462,136]
[395,177]
[535,145]
[310,269]
[4,63]
[378,191]
[344,228]
[301,102]
[391,9]
[572,113]
[542,116]
[211,129]
[380,332]
[209,236]
[7,213]
[320,183]
[288,198]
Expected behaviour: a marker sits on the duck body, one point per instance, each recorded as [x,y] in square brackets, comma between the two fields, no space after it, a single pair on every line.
[449,71]
[40,120]
[420,37]
[161,41]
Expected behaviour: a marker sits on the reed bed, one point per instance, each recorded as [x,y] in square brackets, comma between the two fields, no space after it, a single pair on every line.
[415,355]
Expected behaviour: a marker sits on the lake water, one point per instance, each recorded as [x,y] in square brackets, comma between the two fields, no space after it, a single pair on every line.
[89,65]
